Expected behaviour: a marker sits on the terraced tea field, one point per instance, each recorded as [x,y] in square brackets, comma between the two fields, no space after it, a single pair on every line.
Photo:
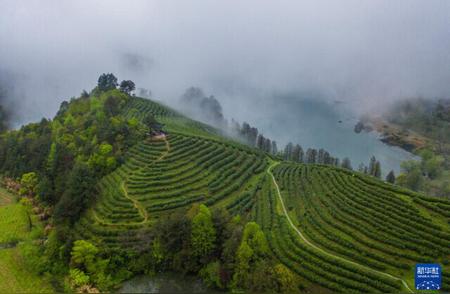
[341,230]
[164,174]
[362,220]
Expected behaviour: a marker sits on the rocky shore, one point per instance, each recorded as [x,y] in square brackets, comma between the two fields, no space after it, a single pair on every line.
[391,134]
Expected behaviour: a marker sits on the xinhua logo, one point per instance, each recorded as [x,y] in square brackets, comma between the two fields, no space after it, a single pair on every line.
[428,276]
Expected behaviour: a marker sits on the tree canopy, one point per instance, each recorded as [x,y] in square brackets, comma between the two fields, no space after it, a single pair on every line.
[107,81]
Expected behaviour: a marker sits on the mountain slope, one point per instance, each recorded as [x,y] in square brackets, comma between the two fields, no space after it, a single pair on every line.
[353,216]
[334,228]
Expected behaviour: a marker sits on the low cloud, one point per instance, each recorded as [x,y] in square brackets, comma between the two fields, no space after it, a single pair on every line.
[365,53]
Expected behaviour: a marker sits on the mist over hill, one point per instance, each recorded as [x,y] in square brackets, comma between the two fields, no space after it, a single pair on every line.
[241,52]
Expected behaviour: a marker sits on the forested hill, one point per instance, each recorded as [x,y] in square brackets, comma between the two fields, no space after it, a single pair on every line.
[131,186]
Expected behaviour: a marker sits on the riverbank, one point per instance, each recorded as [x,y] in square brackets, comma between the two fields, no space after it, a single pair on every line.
[392,134]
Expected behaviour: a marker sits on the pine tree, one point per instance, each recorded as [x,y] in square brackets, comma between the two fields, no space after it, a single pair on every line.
[377,172]
[346,163]
[301,155]
[390,178]
[311,155]
[326,158]
[320,156]
[288,151]
[296,153]
[252,135]
[267,145]
[274,148]
[372,164]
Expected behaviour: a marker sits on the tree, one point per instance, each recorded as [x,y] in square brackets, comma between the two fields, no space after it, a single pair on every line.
[84,94]
[321,156]
[107,82]
[311,155]
[411,176]
[288,151]
[267,145]
[253,249]
[28,184]
[84,254]
[274,148]
[296,153]
[203,234]
[242,269]
[260,142]
[127,86]
[79,192]
[346,163]
[285,279]
[372,164]
[256,239]
[210,275]
[390,178]
[377,171]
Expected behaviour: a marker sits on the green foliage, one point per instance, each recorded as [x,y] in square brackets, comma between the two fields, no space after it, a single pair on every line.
[79,192]
[412,176]
[107,82]
[203,236]
[210,275]
[86,258]
[84,255]
[127,86]
[256,239]
[158,253]
[28,184]
[285,279]
[333,206]
[251,252]
[17,276]
[390,178]
[14,223]
[103,161]
[78,277]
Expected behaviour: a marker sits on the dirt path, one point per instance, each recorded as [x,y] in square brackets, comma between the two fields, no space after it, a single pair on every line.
[142,211]
[320,249]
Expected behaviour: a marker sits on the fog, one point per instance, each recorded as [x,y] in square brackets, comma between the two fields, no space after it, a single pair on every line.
[245,53]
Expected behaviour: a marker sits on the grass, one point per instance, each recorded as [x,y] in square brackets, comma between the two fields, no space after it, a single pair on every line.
[14,223]
[15,278]
[5,197]
[15,227]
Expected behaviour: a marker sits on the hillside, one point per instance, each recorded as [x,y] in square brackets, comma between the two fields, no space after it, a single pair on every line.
[352,216]
[319,227]
[191,164]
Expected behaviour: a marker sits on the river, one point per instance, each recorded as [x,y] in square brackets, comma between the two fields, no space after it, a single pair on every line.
[319,123]
[165,283]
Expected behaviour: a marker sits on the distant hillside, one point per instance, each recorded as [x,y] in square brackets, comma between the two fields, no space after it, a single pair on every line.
[135,187]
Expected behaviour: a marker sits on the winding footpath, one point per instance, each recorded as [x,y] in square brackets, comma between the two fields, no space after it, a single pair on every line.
[142,211]
[269,171]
